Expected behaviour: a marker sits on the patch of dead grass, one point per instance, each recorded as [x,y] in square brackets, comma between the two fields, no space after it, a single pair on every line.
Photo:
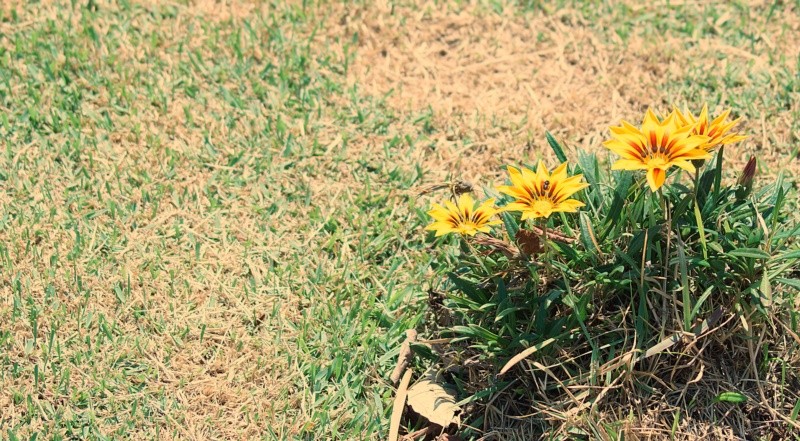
[497,82]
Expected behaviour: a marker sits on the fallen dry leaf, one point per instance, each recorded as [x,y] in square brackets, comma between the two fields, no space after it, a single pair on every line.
[405,356]
[397,409]
[529,242]
[429,398]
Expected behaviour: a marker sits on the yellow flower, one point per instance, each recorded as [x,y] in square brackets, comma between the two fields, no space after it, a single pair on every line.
[540,194]
[717,130]
[464,219]
[656,147]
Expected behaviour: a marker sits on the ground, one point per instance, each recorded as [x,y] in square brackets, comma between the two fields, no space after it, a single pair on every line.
[209,226]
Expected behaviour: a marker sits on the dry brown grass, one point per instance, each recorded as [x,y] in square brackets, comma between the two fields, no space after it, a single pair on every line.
[497,82]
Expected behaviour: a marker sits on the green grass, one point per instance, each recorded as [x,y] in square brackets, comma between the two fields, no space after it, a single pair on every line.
[190,245]
[208,232]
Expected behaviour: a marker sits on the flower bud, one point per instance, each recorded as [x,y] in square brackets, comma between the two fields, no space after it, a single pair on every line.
[746,179]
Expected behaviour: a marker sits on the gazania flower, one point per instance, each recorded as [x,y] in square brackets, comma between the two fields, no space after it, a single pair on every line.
[540,194]
[463,218]
[716,130]
[656,146]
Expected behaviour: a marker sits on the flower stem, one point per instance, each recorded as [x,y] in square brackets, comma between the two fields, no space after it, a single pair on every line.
[545,255]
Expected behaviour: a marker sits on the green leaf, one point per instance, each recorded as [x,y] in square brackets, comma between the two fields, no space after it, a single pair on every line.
[556,147]
[718,170]
[753,253]
[476,331]
[587,234]
[789,282]
[628,259]
[620,195]
[766,292]
[423,351]
[510,223]
[578,304]
[469,288]
[681,207]
[788,255]
[589,167]
[704,186]
[688,318]
[701,300]
[796,410]
[731,397]
[502,314]
[701,229]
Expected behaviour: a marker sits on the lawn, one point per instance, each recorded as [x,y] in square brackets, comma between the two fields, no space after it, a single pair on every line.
[210,225]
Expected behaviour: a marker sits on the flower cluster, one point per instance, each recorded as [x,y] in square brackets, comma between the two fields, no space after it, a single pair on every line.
[538,194]
[677,140]
[680,139]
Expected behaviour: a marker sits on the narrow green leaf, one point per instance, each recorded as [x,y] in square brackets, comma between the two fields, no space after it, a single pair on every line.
[789,282]
[628,259]
[718,170]
[502,314]
[796,410]
[469,288]
[476,331]
[589,167]
[780,198]
[788,255]
[753,253]
[587,234]
[701,300]
[682,206]
[701,229]
[704,186]
[423,351]
[766,292]
[687,299]
[565,223]
[510,223]
[502,292]
[731,397]
[556,147]
[615,210]
[489,391]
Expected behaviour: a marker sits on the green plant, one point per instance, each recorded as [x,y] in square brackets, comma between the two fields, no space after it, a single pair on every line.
[645,269]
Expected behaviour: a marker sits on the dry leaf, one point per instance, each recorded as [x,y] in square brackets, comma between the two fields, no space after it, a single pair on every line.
[434,402]
[524,354]
[496,245]
[554,235]
[397,408]
[529,242]
[405,356]
[448,437]
[456,187]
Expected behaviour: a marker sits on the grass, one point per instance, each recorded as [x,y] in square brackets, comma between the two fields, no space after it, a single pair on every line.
[181,253]
[208,219]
